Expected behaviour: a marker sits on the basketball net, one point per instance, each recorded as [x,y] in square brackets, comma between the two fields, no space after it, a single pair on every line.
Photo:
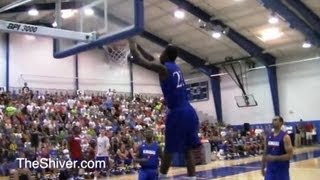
[118,52]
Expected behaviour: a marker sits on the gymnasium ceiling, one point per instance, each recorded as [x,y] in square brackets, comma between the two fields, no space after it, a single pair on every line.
[247,17]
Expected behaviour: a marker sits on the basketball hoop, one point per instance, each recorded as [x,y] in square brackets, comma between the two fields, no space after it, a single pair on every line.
[118,52]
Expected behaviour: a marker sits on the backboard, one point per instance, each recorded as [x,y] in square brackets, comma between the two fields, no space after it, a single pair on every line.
[106,21]
[75,25]
[245,101]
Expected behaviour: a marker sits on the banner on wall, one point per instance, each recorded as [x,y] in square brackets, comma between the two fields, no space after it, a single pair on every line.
[198,91]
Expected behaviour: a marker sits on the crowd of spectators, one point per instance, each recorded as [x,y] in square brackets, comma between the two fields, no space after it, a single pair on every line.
[26,115]
[51,116]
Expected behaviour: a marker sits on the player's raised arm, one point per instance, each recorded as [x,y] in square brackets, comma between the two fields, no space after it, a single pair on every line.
[145,54]
[140,60]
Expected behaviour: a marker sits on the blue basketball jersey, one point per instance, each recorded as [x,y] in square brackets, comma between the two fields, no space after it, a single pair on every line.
[275,146]
[173,88]
[150,152]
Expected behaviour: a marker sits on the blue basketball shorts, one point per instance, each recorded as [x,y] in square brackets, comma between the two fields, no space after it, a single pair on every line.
[277,174]
[181,131]
[148,174]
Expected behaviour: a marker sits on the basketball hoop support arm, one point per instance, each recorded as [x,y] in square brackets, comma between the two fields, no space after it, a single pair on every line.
[13,27]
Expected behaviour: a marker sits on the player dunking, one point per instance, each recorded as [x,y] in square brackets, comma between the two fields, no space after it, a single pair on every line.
[148,156]
[278,152]
[181,128]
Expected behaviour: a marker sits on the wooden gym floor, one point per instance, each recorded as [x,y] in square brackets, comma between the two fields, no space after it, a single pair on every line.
[305,165]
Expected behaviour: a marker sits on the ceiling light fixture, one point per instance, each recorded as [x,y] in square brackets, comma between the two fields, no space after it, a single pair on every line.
[179,14]
[273,19]
[67,13]
[54,24]
[216,34]
[306,45]
[88,11]
[270,34]
[33,12]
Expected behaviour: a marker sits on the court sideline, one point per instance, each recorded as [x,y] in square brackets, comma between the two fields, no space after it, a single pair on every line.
[304,165]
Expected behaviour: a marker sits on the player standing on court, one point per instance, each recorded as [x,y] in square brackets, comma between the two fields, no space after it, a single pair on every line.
[102,152]
[181,128]
[148,156]
[277,154]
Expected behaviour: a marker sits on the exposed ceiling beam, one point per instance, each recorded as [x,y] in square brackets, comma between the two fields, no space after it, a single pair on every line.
[231,61]
[44,7]
[294,21]
[189,58]
[306,13]
[13,5]
[249,46]
[192,59]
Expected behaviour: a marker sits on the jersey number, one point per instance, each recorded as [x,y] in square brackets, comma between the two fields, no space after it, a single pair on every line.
[180,81]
